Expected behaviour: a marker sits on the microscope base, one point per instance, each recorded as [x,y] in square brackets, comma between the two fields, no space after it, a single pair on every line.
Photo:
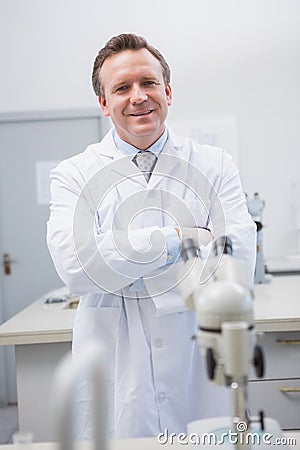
[217,431]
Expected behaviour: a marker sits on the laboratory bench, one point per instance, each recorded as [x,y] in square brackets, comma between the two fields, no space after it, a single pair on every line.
[42,335]
[136,444]
[277,304]
[286,265]
[128,444]
[122,444]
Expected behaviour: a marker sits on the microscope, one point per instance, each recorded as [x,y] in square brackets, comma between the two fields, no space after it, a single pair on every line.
[217,290]
[255,208]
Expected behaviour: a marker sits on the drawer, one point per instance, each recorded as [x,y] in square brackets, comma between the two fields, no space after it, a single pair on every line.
[281,354]
[281,406]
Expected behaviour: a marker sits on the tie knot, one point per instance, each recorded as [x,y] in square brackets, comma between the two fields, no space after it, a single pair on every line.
[145,161]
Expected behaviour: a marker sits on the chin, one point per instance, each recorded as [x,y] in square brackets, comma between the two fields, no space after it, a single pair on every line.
[147,130]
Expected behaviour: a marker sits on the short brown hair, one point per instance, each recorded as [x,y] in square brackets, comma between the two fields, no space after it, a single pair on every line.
[122,43]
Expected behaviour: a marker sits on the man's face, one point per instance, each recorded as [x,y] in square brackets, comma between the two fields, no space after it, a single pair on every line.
[136,97]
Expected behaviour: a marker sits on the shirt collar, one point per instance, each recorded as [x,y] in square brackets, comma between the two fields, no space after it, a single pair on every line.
[130,150]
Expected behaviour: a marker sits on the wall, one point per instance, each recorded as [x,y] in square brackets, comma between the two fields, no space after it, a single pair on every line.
[229,58]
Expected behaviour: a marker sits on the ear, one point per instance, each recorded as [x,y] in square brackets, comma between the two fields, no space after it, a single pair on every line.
[168,91]
[103,104]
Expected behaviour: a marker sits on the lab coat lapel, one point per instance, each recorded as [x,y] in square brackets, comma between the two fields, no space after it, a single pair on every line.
[128,179]
[168,164]
[123,172]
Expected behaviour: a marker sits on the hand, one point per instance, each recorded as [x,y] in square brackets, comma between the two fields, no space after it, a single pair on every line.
[201,236]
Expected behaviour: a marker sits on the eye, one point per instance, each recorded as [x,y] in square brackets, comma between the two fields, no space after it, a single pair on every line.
[121,88]
[149,83]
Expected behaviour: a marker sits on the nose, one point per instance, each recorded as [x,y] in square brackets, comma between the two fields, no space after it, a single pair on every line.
[138,95]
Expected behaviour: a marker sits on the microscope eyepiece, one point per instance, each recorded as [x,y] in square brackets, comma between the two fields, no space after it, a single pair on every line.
[222,245]
[189,249]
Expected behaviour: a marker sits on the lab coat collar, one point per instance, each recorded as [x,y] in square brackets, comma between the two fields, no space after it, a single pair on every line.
[108,147]
[124,166]
[168,161]
[121,167]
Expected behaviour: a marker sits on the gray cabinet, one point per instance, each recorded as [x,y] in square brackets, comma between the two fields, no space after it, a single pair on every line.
[278,393]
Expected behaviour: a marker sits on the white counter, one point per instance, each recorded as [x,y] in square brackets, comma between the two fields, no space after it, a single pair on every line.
[286,264]
[39,323]
[277,304]
[126,444]
[139,444]
[276,308]
[42,335]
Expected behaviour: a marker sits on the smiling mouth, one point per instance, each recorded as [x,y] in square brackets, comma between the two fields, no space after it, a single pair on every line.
[144,113]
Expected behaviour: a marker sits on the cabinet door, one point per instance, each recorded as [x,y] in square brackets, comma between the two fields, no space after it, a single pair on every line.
[280,400]
[281,355]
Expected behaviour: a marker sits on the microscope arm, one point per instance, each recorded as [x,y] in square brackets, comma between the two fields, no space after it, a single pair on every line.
[91,360]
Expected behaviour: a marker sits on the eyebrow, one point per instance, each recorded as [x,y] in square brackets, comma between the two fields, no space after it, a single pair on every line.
[151,77]
[144,78]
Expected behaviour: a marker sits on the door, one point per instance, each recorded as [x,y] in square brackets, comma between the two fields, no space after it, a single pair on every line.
[25,142]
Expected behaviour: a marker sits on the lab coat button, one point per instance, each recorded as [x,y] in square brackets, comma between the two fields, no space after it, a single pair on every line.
[161,397]
[170,257]
[159,343]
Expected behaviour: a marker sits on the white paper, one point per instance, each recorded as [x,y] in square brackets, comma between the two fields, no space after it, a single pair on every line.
[42,171]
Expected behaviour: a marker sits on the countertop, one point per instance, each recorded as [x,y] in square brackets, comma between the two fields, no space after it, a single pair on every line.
[139,444]
[284,264]
[39,323]
[126,444]
[276,308]
[277,304]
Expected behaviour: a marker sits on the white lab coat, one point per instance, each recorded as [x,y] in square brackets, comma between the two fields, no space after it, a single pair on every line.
[156,378]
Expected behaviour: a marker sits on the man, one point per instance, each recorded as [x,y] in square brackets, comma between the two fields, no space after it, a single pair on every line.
[115,230]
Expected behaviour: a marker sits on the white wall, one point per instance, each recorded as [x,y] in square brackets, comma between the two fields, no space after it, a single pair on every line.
[237,58]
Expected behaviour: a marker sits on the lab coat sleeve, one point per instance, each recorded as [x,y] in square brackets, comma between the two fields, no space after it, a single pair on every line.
[238,224]
[86,259]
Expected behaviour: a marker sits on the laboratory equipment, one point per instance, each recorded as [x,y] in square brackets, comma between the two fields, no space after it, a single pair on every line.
[91,360]
[217,290]
[255,207]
